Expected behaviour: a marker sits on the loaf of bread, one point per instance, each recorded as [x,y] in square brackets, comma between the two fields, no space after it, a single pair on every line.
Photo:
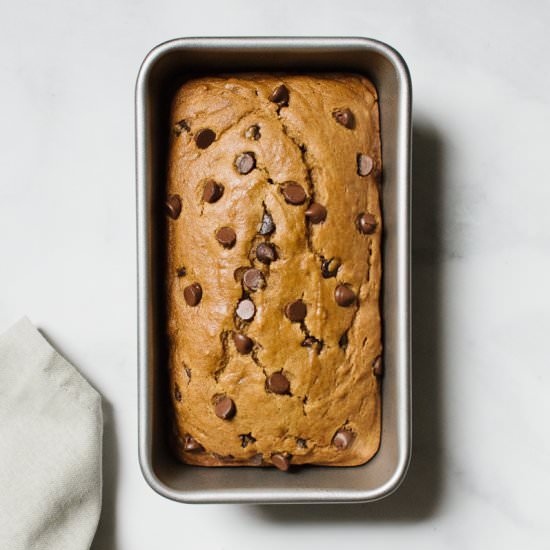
[274,270]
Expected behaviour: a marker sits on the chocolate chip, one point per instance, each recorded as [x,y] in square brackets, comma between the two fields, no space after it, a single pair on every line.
[243,343]
[266,253]
[365,164]
[239,272]
[296,311]
[342,439]
[280,95]
[204,138]
[294,193]
[181,272]
[301,443]
[343,342]
[316,213]
[278,383]
[246,310]
[193,294]
[188,372]
[253,279]
[253,133]
[330,267]
[173,206]
[378,367]
[345,118]
[190,444]
[226,237]
[246,439]
[267,226]
[180,127]
[281,461]
[344,296]
[225,408]
[245,163]
[177,393]
[212,191]
[366,223]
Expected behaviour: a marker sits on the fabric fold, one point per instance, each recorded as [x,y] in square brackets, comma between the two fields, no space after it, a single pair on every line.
[51,430]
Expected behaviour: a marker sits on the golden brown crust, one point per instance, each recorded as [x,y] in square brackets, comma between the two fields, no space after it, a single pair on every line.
[330,389]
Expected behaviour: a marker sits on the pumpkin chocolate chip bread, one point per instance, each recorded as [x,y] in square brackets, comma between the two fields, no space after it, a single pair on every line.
[274,270]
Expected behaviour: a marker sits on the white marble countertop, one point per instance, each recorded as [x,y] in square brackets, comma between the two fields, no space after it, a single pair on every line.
[479,475]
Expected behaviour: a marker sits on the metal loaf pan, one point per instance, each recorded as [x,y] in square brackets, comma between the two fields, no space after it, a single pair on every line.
[164,68]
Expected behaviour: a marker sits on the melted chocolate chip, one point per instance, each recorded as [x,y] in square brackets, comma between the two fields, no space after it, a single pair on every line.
[345,118]
[266,253]
[173,206]
[212,191]
[225,408]
[296,311]
[245,163]
[243,343]
[193,294]
[204,138]
[316,213]
[226,236]
[343,342]
[253,132]
[246,439]
[330,267]
[267,226]
[312,342]
[253,279]
[177,393]
[366,223]
[344,295]
[181,127]
[294,193]
[257,459]
[378,367]
[278,383]
[308,342]
[365,164]
[342,439]
[226,459]
[181,272]
[246,310]
[190,444]
[280,95]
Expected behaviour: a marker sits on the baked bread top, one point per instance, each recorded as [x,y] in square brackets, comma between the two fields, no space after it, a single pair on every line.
[274,270]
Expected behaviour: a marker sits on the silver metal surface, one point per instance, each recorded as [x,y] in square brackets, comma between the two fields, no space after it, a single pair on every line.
[167,66]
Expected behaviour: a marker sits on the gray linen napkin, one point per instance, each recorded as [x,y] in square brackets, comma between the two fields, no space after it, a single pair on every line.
[51,431]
